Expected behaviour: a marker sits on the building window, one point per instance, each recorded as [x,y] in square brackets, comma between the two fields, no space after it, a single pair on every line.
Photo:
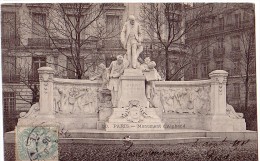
[9,111]
[236,91]
[71,69]
[39,25]
[37,62]
[56,62]
[205,70]
[205,49]
[113,25]
[236,70]
[219,65]
[9,104]
[221,23]
[236,43]
[194,71]
[229,19]
[221,43]
[9,69]
[238,20]
[9,30]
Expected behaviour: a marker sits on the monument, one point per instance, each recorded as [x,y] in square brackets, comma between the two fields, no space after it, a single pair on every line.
[132,111]
[131,97]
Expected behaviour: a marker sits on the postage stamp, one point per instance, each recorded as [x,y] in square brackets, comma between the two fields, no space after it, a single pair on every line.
[36,143]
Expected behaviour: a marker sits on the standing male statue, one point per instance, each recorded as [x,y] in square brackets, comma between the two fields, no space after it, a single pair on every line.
[115,69]
[131,38]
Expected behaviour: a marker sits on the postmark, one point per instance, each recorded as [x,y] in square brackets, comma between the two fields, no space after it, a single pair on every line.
[37,143]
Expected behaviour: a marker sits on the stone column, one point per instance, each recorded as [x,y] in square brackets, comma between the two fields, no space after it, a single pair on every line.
[220,120]
[46,91]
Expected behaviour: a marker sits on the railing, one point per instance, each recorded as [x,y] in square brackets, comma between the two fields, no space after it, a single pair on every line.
[219,29]
[111,44]
[38,42]
[68,43]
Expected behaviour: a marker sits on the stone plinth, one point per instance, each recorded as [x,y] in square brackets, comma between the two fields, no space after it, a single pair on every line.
[132,88]
[133,112]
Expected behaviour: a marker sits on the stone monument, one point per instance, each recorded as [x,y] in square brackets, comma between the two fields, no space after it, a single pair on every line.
[140,101]
[132,111]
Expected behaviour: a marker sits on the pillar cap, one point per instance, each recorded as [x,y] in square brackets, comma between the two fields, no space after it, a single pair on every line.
[45,70]
[218,73]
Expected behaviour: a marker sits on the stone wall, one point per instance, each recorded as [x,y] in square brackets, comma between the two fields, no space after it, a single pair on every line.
[81,104]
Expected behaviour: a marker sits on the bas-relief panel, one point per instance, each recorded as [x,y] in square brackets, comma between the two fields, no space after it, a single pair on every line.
[192,100]
[76,99]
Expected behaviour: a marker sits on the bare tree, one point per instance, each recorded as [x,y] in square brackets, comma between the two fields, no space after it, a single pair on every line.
[75,31]
[166,27]
[247,58]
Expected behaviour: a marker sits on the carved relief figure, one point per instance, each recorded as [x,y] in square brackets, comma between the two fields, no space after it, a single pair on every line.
[167,100]
[75,100]
[204,101]
[115,69]
[185,100]
[86,102]
[131,38]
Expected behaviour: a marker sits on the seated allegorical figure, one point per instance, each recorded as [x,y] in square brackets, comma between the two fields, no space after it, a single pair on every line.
[144,66]
[102,73]
[232,113]
[33,112]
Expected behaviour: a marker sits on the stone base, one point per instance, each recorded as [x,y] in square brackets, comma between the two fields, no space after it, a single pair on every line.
[206,122]
[186,121]
[68,123]
[221,123]
[153,126]
[239,124]
[134,120]
[101,125]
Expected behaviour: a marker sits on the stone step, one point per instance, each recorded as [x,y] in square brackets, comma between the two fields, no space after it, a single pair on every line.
[174,136]
[138,141]
[154,135]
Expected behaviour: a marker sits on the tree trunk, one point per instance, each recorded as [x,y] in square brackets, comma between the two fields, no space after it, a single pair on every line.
[167,64]
[247,91]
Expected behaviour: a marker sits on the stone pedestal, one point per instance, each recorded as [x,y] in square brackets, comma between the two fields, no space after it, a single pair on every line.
[132,88]
[133,112]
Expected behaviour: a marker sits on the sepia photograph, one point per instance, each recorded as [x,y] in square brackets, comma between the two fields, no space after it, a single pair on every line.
[129,81]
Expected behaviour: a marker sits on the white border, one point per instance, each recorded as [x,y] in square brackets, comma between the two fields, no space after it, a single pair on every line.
[257,7]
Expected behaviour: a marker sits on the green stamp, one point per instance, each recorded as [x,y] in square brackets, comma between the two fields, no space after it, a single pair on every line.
[37,143]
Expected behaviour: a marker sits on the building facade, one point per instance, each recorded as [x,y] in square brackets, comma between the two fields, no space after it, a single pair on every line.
[225,40]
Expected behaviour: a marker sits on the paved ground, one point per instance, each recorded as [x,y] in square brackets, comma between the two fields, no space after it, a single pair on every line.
[202,151]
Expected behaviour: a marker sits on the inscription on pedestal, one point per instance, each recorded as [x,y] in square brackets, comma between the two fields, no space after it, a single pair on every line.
[134,126]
